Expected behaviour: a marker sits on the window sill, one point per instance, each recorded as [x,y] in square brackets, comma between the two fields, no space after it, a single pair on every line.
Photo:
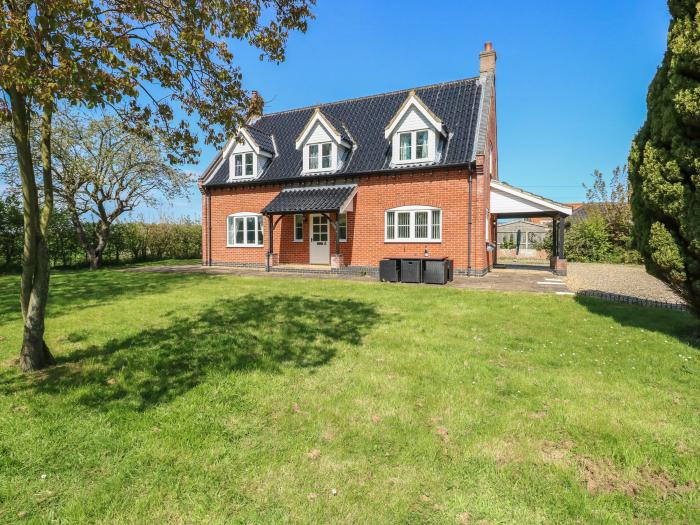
[245,246]
[412,241]
[298,240]
[320,170]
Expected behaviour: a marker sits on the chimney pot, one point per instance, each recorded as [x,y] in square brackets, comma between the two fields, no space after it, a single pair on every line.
[488,46]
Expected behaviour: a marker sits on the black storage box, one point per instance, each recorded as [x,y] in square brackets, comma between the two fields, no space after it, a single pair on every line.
[389,270]
[436,272]
[411,271]
[450,269]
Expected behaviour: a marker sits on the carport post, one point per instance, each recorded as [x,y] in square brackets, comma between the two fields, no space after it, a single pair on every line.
[560,241]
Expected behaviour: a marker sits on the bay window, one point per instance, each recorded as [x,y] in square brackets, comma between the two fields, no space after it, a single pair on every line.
[413,224]
[245,229]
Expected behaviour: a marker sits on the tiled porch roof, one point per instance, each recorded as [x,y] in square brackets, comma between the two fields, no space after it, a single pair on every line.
[310,199]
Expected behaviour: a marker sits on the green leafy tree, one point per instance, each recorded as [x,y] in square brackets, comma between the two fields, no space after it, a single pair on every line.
[103,171]
[665,161]
[10,230]
[145,61]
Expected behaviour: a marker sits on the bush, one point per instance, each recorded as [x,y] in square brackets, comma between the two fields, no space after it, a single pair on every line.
[588,241]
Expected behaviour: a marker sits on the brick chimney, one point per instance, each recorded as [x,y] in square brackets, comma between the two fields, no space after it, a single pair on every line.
[487,59]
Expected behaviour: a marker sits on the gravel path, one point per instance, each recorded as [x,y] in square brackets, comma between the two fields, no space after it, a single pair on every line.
[630,280]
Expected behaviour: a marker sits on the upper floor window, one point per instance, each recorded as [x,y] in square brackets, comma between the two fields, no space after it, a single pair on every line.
[413,146]
[245,229]
[413,224]
[243,164]
[325,151]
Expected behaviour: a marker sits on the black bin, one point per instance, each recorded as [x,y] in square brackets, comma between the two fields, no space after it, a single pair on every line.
[450,269]
[436,272]
[411,270]
[389,270]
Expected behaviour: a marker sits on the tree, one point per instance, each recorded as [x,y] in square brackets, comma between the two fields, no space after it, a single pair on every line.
[665,162]
[102,170]
[611,199]
[10,229]
[144,61]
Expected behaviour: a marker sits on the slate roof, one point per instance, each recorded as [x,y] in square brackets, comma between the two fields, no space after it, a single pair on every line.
[310,198]
[362,121]
[261,138]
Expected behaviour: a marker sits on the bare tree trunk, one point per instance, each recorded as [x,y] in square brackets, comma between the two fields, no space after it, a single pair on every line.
[34,354]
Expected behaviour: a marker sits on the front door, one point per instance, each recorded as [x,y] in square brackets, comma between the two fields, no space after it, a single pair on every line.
[320,246]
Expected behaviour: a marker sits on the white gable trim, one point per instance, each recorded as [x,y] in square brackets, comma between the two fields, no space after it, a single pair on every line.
[414,101]
[508,199]
[320,118]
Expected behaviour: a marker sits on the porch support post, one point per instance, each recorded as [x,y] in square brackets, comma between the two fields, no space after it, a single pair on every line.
[555,236]
[560,241]
[271,229]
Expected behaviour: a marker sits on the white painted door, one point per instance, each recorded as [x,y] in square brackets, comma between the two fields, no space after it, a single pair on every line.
[319,247]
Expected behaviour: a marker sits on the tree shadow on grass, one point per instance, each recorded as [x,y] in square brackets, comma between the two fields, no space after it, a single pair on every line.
[673,323]
[264,333]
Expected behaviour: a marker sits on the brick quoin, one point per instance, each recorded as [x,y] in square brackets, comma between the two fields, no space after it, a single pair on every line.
[445,188]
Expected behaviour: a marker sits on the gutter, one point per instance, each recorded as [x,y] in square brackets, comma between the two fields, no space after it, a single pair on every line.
[349,175]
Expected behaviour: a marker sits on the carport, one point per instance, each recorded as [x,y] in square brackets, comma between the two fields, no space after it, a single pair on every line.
[509,202]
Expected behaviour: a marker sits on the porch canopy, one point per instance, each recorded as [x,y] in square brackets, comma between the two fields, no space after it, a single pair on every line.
[312,199]
[329,201]
[509,202]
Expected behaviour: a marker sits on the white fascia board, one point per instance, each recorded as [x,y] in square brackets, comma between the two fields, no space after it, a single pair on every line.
[414,100]
[566,210]
[317,117]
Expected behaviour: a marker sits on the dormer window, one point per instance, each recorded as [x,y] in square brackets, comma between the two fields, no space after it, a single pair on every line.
[325,152]
[324,142]
[242,160]
[406,141]
[415,133]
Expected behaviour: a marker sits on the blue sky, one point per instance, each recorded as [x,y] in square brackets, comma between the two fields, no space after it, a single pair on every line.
[571,77]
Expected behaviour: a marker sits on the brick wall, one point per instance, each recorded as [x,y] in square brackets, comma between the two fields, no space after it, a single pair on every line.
[444,188]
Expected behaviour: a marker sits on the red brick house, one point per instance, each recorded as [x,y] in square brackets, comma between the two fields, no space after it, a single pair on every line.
[342,185]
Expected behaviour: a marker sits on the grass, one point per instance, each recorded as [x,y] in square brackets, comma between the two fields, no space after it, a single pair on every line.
[221,399]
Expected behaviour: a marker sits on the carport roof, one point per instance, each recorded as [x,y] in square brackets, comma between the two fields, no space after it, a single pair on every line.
[509,201]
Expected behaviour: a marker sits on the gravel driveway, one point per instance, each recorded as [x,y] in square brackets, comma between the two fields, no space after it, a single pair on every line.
[621,279]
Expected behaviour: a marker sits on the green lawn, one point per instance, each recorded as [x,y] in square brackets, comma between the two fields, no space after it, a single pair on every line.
[215,399]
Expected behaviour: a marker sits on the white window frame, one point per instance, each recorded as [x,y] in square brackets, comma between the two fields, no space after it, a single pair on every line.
[231,228]
[298,216]
[320,156]
[344,218]
[412,210]
[413,149]
[240,159]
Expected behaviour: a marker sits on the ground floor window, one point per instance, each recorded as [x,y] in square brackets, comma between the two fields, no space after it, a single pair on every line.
[413,224]
[245,229]
[298,227]
[342,227]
